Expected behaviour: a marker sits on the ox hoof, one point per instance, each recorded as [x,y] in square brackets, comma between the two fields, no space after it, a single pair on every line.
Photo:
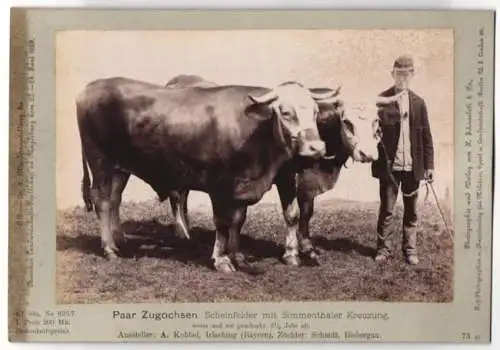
[243,265]
[111,253]
[240,261]
[312,258]
[292,260]
[224,265]
[306,245]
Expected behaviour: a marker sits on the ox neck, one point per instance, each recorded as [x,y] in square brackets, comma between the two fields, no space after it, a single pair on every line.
[331,132]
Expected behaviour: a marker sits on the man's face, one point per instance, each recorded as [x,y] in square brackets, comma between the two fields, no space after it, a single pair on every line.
[402,78]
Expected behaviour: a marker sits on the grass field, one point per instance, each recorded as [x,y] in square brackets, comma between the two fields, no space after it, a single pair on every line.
[163,267]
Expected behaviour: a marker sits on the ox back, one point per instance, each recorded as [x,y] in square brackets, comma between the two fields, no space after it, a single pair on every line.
[189,138]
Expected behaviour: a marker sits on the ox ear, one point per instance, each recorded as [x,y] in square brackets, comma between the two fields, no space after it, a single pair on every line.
[278,129]
[260,111]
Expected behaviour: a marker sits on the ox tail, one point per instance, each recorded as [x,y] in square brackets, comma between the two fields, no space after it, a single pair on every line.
[87,198]
[80,116]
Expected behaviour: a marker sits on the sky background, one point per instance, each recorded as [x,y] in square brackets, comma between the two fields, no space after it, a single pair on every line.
[359,60]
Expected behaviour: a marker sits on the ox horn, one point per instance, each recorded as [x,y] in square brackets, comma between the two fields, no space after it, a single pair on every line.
[322,96]
[382,100]
[266,98]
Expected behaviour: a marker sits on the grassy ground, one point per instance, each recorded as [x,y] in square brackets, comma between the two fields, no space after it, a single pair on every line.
[169,268]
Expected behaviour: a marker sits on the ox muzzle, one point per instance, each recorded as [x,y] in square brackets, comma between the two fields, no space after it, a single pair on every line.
[309,144]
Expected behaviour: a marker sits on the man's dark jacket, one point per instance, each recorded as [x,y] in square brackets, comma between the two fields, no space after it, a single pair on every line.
[422,149]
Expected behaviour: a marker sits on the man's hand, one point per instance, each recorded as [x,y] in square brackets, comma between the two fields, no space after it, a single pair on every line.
[429,175]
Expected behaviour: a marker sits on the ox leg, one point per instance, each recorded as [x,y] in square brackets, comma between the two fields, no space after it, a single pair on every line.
[287,192]
[107,194]
[178,203]
[306,207]
[107,187]
[228,222]
[101,190]
[118,184]
[237,220]
[184,209]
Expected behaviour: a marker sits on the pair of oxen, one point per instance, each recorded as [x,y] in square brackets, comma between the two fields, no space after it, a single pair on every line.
[232,142]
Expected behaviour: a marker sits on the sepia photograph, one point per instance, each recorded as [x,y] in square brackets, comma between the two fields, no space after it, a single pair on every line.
[254,166]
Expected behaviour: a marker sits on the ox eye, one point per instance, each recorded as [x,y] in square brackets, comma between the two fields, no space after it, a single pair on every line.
[378,131]
[349,126]
[286,113]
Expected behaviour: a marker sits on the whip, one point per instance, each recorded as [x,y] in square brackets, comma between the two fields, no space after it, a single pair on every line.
[429,184]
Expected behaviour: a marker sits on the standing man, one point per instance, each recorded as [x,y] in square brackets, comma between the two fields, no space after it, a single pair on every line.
[406,156]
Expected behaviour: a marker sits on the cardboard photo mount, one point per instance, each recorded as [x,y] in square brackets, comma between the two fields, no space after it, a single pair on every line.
[41,41]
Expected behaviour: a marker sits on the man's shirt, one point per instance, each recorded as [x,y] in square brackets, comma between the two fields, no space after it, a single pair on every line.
[402,159]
